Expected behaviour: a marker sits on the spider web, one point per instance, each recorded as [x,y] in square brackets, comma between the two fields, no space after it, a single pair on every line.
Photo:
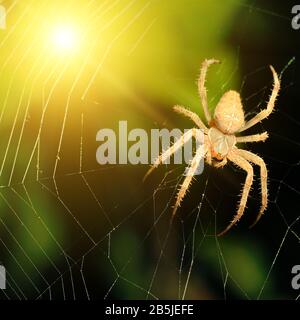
[70,229]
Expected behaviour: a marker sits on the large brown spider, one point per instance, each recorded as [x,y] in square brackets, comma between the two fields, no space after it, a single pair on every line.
[220,141]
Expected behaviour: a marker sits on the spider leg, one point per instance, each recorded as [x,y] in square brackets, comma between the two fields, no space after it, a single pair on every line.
[208,157]
[243,164]
[193,116]
[220,164]
[263,176]
[253,138]
[201,86]
[200,153]
[169,152]
[266,112]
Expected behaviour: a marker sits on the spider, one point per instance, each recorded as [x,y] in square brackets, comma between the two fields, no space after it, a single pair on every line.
[220,141]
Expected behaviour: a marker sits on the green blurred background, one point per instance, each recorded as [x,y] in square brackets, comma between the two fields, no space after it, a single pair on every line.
[72,229]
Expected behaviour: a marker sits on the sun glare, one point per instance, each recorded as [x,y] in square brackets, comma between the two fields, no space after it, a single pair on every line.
[65,38]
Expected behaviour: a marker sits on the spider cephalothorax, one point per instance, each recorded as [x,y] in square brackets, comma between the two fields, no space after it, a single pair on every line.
[220,140]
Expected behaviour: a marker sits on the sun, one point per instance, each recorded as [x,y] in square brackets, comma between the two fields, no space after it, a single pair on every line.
[65,38]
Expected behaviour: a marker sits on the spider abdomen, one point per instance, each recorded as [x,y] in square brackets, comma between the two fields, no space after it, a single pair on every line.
[229,114]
